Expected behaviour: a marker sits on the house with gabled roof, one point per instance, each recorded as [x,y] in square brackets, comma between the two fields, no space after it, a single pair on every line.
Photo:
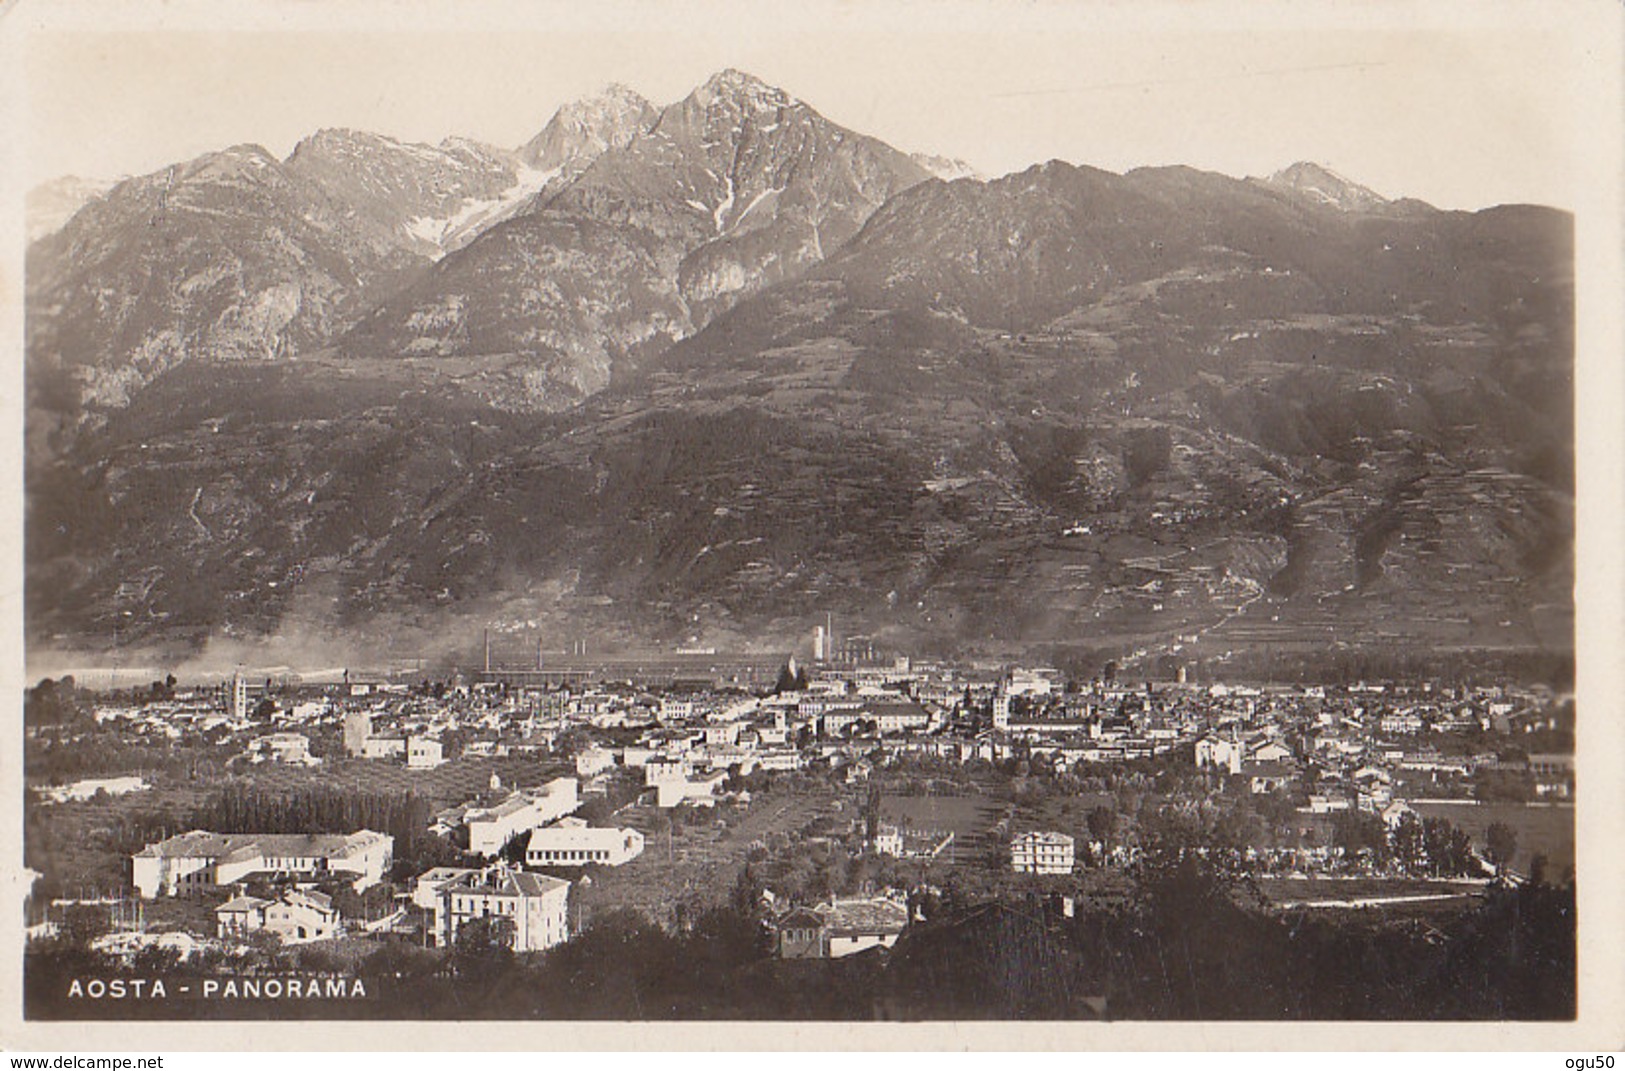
[240,915]
[840,927]
[299,915]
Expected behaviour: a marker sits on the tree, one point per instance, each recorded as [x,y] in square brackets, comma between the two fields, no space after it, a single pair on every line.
[571,741]
[1537,869]
[1410,850]
[452,743]
[790,680]
[1356,833]
[347,901]
[483,943]
[82,924]
[54,703]
[1102,823]
[871,814]
[1501,845]
[516,847]
[1448,849]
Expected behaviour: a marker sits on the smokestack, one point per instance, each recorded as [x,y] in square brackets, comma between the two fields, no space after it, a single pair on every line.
[487,650]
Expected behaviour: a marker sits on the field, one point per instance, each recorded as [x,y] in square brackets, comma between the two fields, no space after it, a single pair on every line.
[453,782]
[1547,830]
[1312,891]
[968,818]
[697,864]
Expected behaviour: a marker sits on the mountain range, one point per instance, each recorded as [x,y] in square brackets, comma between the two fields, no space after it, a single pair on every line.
[708,371]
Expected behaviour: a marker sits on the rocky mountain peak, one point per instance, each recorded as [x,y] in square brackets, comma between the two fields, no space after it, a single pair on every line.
[335,139]
[946,168]
[583,129]
[736,85]
[1325,186]
[237,162]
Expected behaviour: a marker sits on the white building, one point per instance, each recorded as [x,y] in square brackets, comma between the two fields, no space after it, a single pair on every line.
[289,749]
[198,860]
[237,698]
[658,771]
[898,716]
[491,828]
[593,760]
[889,841]
[1001,710]
[1213,750]
[1037,682]
[424,753]
[426,894]
[701,791]
[357,731]
[1042,853]
[572,842]
[537,905]
[298,916]
[384,746]
[840,928]
[779,759]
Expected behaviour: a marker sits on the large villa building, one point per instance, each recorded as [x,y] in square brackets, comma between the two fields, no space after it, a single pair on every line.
[191,862]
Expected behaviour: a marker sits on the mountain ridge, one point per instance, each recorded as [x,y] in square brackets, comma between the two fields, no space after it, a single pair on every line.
[745,365]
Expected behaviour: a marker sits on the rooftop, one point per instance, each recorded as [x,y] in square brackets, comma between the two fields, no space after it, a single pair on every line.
[208,845]
[867,916]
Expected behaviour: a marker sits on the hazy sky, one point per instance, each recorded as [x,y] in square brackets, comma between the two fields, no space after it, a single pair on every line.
[1461,114]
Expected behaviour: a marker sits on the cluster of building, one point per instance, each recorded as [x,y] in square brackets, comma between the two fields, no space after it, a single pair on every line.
[191,862]
[1359,749]
[1367,749]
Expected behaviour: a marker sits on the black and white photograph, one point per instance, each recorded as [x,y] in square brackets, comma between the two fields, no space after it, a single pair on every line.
[709,512]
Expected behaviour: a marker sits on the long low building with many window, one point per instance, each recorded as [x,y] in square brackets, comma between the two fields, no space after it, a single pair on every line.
[191,862]
[572,842]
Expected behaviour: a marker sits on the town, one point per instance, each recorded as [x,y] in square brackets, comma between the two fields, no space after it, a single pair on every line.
[840,806]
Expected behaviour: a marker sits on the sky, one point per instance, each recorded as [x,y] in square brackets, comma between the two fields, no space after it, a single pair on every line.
[1461,110]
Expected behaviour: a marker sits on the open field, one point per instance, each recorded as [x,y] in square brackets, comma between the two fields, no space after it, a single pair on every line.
[1300,890]
[698,864]
[968,818]
[1542,829]
[453,782]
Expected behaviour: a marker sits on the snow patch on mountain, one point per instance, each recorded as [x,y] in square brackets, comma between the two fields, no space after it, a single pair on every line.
[1322,185]
[946,168]
[475,214]
[720,213]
